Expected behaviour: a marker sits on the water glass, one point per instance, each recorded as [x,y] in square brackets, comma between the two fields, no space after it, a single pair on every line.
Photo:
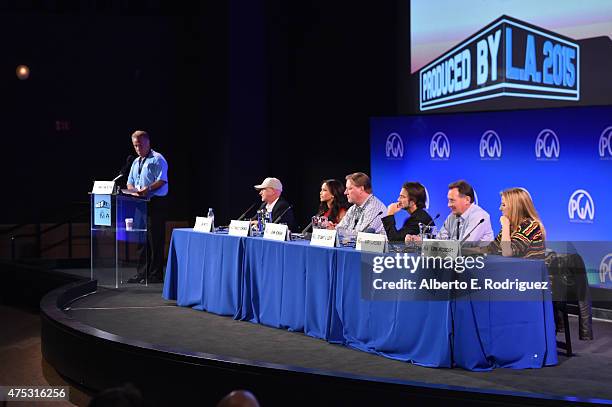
[319,222]
[428,232]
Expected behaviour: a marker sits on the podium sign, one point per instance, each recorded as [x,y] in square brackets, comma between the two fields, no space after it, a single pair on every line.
[102,210]
[103,187]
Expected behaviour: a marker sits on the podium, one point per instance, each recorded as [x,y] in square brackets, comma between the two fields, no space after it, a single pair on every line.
[118,252]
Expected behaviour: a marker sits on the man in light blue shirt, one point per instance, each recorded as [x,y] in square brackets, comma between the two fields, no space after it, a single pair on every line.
[149,178]
[149,172]
[465,216]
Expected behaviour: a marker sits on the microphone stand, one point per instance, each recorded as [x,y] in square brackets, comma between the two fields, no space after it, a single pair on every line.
[282,214]
[247,211]
[372,220]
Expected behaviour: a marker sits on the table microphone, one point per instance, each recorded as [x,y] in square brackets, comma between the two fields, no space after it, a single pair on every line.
[306,228]
[431,221]
[468,235]
[282,214]
[247,211]
[372,220]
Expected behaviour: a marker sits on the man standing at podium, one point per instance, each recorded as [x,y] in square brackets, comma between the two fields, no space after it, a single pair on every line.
[149,178]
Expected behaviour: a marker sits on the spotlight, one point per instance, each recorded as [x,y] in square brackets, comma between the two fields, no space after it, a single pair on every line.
[23,72]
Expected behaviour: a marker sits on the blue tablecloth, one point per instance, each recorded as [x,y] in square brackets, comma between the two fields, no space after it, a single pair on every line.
[315,290]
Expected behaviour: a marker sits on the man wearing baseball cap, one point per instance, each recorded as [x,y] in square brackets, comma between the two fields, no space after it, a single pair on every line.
[270,191]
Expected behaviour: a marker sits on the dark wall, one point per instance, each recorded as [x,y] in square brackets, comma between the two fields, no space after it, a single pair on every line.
[333,66]
[230,93]
[101,77]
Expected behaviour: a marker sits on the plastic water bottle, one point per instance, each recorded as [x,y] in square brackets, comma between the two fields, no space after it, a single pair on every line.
[211,215]
[261,220]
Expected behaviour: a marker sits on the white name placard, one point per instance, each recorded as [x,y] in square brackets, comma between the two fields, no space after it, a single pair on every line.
[239,228]
[203,224]
[440,248]
[324,237]
[103,187]
[371,242]
[274,231]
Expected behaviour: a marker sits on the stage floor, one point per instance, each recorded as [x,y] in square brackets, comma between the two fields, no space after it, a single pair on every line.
[140,313]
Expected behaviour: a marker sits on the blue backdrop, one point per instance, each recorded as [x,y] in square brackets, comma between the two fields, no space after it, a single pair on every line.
[562,156]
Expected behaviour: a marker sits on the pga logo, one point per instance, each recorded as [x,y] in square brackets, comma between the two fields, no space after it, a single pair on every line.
[394,148]
[605,144]
[581,207]
[103,204]
[547,146]
[605,269]
[439,147]
[490,146]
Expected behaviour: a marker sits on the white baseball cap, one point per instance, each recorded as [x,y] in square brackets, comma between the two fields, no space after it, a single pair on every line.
[270,183]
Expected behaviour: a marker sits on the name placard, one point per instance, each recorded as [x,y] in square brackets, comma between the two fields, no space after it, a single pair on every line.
[274,231]
[102,210]
[239,228]
[440,248]
[371,242]
[324,237]
[203,224]
[103,187]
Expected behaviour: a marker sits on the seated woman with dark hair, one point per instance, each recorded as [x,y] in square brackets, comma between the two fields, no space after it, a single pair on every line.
[412,198]
[333,201]
[522,233]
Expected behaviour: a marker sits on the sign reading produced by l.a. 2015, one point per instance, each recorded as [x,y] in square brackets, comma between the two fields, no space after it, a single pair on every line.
[507,58]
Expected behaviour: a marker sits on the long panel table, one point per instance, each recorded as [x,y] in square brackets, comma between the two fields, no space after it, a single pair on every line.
[316,290]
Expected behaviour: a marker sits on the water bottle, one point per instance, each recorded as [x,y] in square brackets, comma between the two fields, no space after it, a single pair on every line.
[211,215]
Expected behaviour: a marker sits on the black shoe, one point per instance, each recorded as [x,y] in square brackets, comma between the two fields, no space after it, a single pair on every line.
[136,280]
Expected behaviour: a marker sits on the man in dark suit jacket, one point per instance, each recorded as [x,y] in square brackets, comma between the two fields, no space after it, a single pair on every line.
[270,191]
[412,198]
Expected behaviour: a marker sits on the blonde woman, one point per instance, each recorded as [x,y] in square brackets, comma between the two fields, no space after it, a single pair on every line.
[522,233]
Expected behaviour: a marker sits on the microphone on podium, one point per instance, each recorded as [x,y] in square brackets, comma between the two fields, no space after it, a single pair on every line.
[125,170]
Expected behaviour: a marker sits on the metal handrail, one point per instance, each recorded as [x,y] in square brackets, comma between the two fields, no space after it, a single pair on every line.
[39,232]
[21,225]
